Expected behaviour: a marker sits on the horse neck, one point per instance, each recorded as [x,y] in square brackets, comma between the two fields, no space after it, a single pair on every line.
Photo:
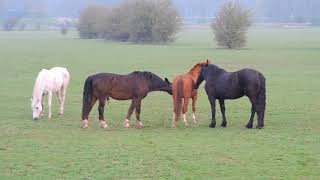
[38,87]
[155,86]
[194,74]
[158,86]
[215,72]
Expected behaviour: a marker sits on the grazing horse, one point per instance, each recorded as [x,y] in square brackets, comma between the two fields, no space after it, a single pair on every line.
[183,88]
[222,85]
[135,86]
[55,80]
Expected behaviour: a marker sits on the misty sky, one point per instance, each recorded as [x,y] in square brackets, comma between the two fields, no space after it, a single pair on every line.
[276,10]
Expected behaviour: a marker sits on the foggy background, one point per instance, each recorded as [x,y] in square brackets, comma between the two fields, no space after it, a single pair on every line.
[191,11]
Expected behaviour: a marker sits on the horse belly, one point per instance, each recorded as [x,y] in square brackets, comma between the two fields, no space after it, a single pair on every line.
[118,95]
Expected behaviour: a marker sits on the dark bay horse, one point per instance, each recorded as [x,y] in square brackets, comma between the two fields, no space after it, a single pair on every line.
[222,85]
[135,86]
[183,88]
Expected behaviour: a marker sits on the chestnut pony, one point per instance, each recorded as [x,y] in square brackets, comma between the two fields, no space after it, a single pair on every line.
[183,88]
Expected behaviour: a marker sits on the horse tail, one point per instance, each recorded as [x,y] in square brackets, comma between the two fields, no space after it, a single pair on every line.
[262,100]
[262,91]
[87,93]
[178,99]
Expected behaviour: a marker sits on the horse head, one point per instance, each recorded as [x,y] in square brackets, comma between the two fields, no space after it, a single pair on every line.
[36,107]
[195,71]
[157,83]
[202,73]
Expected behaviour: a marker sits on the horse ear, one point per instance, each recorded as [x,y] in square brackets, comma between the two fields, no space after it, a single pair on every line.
[167,81]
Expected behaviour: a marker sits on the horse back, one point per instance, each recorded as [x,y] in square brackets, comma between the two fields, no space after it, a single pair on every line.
[120,87]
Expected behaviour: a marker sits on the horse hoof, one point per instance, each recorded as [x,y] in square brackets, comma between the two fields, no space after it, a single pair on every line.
[249,126]
[212,125]
[223,125]
[139,125]
[259,127]
[186,125]
[85,124]
[103,124]
[127,123]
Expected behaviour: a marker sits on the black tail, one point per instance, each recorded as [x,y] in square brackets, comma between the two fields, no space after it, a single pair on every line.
[87,93]
[262,97]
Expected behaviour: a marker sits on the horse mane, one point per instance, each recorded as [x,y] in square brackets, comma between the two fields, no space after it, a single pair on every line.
[143,73]
[38,84]
[199,64]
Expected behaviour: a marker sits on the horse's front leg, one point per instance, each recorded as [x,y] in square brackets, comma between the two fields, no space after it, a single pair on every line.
[194,102]
[137,111]
[49,104]
[42,112]
[130,111]
[212,101]
[223,110]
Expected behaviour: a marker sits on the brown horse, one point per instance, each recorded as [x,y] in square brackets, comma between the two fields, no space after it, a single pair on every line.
[183,88]
[133,86]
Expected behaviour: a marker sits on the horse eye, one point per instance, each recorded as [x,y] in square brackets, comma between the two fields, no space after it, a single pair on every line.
[37,108]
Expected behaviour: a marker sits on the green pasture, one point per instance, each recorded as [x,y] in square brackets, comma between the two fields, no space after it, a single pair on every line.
[287,148]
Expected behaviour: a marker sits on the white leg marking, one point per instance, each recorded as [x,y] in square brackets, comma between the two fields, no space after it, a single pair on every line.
[139,124]
[127,123]
[85,123]
[103,124]
[185,120]
[194,118]
[174,120]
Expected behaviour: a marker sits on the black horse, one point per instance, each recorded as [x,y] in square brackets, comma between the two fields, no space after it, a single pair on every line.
[133,86]
[222,85]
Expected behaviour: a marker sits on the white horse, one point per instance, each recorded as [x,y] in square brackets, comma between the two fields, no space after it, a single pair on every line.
[55,80]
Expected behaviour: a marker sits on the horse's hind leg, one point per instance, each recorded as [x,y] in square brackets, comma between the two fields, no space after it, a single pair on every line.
[60,112]
[102,102]
[253,100]
[137,111]
[62,97]
[87,110]
[194,102]
[223,112]
[250,122]
[185,109]
[260,112]
[174,120]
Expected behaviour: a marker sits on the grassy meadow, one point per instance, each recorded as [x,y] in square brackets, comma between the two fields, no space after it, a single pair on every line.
[287,148]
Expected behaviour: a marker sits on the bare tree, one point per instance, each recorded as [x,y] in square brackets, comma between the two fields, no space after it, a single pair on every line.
[231,24]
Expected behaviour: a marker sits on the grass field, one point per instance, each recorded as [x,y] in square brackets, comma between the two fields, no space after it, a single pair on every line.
[287,148]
